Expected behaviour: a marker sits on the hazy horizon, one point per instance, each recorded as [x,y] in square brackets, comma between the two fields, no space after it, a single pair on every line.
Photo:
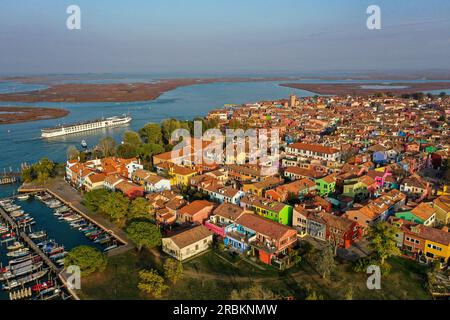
[220,37]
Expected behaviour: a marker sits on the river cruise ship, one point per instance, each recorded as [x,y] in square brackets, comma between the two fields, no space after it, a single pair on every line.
[62,130]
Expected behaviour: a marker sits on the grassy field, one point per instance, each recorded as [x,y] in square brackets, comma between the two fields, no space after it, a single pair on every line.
[212,277]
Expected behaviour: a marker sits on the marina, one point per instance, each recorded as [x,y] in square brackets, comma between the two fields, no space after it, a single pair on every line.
[36,233]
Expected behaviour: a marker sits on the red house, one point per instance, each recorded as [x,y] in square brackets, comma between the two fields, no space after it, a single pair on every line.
[130,190]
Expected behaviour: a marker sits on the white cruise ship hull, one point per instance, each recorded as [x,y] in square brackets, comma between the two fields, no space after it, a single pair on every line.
[81,127]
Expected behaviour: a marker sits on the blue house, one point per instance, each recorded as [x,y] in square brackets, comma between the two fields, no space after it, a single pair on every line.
[379,157]
[238,237]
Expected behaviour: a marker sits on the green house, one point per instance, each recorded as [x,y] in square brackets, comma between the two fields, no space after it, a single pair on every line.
[409,216]
[269,209]
[326,185]
[355,188]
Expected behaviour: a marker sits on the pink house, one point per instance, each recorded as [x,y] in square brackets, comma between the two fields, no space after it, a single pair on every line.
[379,177]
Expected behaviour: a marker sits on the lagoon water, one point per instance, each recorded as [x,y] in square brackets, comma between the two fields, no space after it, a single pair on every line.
[21,142]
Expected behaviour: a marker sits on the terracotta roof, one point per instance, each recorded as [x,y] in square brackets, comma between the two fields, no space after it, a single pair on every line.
[260,202]
[190,236]
[304,172]
[266,227]
[195,207]
[443,202]
[98,177]
[229,211]
[313,148]
[424,211]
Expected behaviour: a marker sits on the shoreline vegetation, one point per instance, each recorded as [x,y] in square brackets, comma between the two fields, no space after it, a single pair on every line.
[361,89]
[10,115]
[117,92]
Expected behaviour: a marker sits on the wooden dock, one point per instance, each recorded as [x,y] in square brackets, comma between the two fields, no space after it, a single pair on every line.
[30,243]
[37,250]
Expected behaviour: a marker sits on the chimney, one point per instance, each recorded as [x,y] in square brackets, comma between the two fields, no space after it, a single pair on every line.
[445,228]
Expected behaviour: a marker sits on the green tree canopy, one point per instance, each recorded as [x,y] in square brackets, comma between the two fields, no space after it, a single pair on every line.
[151,133]
[115,206]
[169,125]
[89,259]
[72,153]
[93,199]
[138,208]
[324,262]
[152,283]
[382,240]
[148,150]
[255,292]
[132,138]
[107,146]
[126,150]
[173,270]
[144,234]
[40,171]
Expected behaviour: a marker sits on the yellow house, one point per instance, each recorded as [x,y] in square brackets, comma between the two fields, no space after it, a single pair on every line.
[180,175]
[259,188]
[445,191]
[437,244]
[94,181]
[442,206]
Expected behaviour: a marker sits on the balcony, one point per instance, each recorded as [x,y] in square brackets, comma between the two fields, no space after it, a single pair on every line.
[218,229]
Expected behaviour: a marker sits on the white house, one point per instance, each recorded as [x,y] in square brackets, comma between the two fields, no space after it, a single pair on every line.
[313,151]
[188,243]
[224,194]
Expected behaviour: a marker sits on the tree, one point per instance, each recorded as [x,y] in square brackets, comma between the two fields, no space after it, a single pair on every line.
[107,146]
[313,296]
[89,259]
[27,174]
[93,199]
[72,153]
[324,262]
[382,238]
[151,133]
[152,283]
[173,270]
[349,293]
[138,208]
[40,171]
[148,150]
[132,138]
[126,150]
[144,234]
[169,125]
[115,205]
[255,292]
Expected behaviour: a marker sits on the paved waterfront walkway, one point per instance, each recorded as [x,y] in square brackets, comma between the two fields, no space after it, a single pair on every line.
[66,193]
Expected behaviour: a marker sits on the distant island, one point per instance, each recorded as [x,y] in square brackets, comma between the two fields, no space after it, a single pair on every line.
[365,89]
[10,115]
[115,92]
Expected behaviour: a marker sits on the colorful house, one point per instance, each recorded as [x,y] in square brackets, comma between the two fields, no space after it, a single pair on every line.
[259,188]
[326,185]
[196,212]
[294,190]
[267,240]
[273,210]
[442,206]
[223,216]
[424,214]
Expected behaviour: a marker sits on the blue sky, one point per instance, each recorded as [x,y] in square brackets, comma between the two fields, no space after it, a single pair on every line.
[222,36]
